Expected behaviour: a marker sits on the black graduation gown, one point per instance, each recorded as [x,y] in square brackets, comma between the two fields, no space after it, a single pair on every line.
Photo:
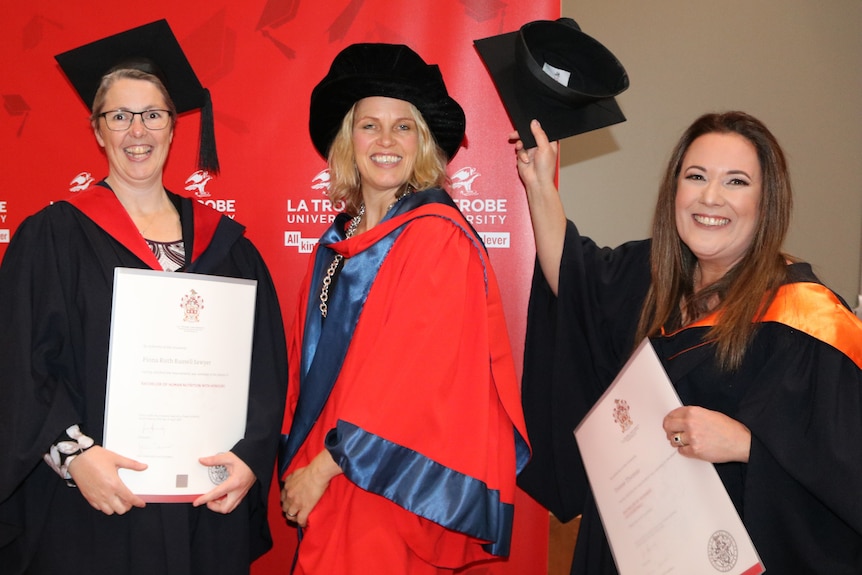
[55,304]
[801,397]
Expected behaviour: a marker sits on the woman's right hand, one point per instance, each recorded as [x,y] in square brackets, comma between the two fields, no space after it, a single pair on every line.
[537,168]
[95,474]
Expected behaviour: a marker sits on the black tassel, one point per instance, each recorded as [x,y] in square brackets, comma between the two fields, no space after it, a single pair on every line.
[207,155]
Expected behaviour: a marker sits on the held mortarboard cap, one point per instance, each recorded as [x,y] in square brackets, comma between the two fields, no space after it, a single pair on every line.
[152,48]
[392,70]
[551,71]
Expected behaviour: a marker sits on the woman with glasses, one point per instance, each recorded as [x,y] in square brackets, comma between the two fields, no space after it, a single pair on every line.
[63,505]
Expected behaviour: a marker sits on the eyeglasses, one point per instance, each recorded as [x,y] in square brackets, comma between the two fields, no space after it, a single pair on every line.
[120,120]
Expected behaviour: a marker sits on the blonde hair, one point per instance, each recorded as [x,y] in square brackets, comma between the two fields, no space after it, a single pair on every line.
[429,169]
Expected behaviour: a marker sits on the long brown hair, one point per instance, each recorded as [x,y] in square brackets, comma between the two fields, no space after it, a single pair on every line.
[748,287]
[429,170]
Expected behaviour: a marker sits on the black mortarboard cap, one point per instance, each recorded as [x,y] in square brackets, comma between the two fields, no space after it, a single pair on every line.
[141,48]
[391,70]
[551,71]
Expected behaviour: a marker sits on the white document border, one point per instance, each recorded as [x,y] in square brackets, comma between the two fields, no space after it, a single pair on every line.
[182,371]
[662,512]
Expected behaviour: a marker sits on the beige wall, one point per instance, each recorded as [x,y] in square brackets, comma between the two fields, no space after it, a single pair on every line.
[795,64]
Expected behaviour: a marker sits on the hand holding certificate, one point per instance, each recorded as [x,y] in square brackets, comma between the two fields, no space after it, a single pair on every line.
[662,512]
[178,377]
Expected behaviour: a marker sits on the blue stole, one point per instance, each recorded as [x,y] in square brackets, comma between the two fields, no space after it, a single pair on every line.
[318,373]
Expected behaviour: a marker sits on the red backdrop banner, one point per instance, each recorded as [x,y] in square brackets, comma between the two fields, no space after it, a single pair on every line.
[260,59]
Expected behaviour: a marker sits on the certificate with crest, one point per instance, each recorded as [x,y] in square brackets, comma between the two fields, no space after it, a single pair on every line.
[662,512]
[178,377]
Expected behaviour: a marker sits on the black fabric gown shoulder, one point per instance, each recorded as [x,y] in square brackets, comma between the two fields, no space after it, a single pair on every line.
[55,304]
[801,398]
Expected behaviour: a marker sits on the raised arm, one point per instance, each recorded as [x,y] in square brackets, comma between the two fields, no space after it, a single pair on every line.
[537,168]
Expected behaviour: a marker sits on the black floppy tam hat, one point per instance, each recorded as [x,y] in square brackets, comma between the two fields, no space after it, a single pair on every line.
[551,71]
[154,49]
[391,70]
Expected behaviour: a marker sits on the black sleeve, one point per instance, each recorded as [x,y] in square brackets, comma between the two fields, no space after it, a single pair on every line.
[38,397]
[268,380]
[801,496]
[576,343]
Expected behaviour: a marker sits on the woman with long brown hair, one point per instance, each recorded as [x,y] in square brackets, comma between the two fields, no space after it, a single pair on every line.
[766,360]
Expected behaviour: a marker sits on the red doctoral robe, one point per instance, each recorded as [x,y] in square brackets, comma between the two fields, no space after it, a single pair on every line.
[424,415]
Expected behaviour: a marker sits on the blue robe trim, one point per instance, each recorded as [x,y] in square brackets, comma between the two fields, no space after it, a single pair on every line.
[423,486]
[318,373]
[522,452]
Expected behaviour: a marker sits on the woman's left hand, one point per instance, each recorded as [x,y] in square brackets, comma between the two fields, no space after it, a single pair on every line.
[225,497]
[709,435]
[305,486]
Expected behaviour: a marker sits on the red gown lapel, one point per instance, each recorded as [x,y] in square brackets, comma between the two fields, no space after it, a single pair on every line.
[101,205]
[206,221]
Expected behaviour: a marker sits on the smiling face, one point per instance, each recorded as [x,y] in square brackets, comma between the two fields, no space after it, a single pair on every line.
[385,144]
[718,201]
[136,156]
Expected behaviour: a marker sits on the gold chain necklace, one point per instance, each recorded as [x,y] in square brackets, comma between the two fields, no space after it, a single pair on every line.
[336,261]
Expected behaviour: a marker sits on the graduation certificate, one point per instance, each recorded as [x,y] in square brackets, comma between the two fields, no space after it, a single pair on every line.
[178,376]
[662,512]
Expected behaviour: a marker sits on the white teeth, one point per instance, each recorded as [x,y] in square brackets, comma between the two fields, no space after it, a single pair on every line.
[385,159]
[711,221]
